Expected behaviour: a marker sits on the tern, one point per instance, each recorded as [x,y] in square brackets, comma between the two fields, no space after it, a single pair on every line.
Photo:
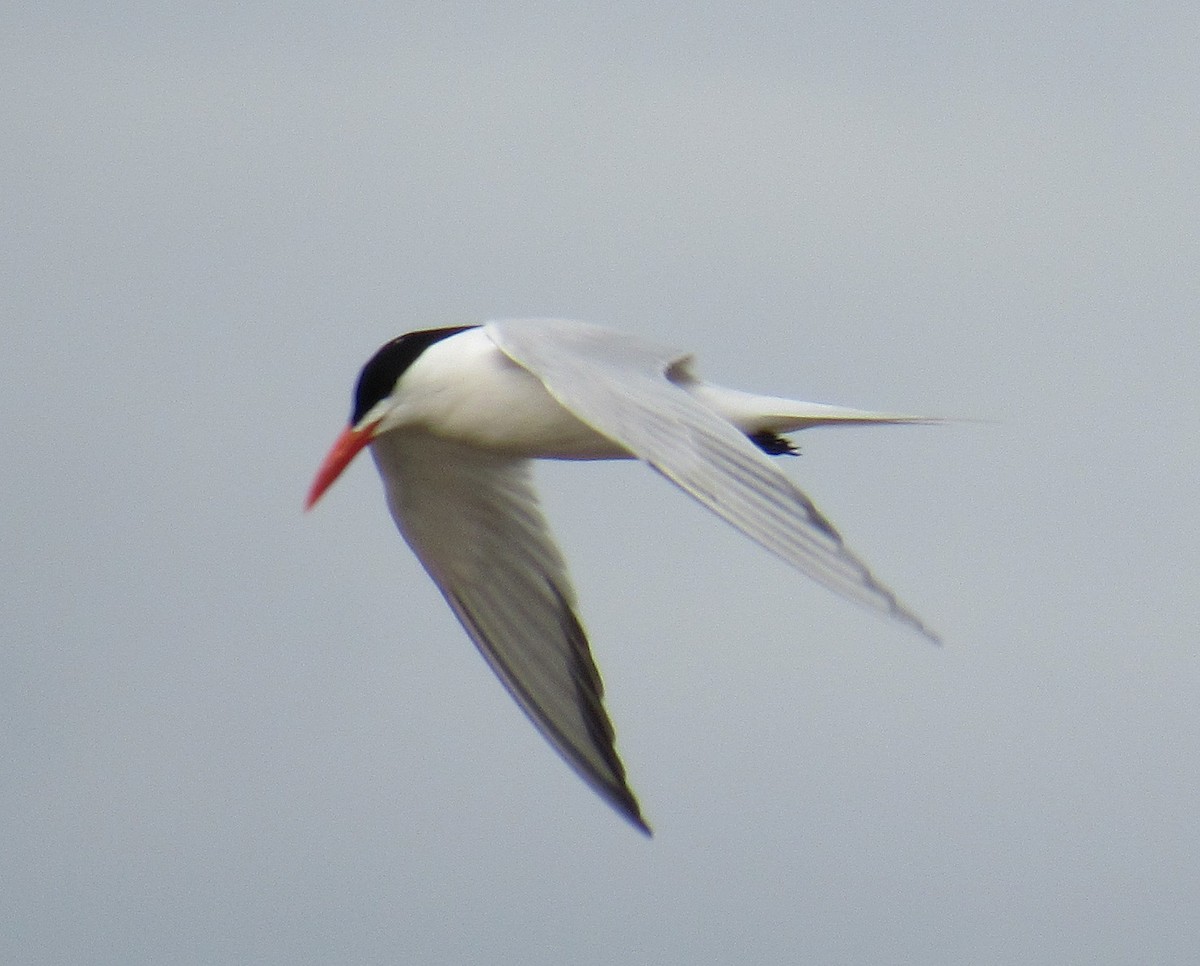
[454,416]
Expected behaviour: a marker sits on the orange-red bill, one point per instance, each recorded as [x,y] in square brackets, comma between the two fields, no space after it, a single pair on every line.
[344,449]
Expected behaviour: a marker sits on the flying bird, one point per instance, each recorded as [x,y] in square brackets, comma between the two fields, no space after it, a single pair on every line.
[453,417]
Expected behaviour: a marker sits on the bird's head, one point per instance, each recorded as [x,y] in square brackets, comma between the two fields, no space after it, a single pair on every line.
[375,398]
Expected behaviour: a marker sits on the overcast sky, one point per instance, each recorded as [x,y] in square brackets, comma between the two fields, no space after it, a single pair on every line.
[231,732]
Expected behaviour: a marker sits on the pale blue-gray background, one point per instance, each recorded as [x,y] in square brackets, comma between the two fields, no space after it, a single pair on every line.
[233,733]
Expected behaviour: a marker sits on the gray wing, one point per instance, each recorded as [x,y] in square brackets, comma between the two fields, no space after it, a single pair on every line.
[473,520]
[627,390]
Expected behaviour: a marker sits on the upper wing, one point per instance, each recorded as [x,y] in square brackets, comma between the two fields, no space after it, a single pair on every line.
[623,388]
[473,520]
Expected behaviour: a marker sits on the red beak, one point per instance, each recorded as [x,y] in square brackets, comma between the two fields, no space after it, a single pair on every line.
[344,449]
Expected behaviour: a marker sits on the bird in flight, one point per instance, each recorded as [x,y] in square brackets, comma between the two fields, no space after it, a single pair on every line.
[453,417]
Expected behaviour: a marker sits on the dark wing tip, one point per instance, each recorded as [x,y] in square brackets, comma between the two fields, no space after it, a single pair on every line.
[590,692]
[604,772]
[623,800]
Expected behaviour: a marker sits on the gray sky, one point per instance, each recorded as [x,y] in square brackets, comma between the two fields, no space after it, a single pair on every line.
[233,733]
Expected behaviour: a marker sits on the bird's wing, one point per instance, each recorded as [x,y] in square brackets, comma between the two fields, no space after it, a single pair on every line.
[473,520]
[625,389]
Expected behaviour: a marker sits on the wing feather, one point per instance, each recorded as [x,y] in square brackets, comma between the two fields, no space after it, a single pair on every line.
[629,391]
[473,520]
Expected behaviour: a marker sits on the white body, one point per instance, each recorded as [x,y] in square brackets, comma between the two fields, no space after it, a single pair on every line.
[467,389]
